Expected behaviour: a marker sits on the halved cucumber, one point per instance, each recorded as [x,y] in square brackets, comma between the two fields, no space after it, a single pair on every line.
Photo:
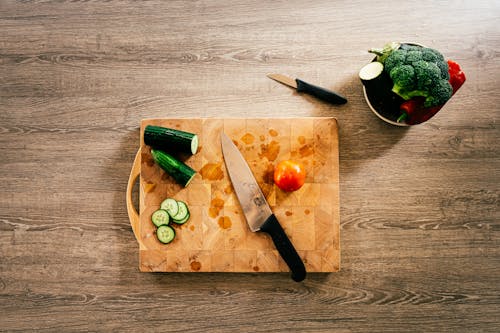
[181,172]
[182,214]
[165,234]
[371,72]
[169,139]
[160,217]
[171,206]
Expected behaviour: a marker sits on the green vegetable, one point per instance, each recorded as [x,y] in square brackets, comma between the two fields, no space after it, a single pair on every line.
[176,209]
[181,172]
[419,71]
[403,78]
[171,210]
[182,214]
[171,206]
[160,217]
[440,93]
[184,220]
[171,140]
[165,234]
[383,53]
[371,72]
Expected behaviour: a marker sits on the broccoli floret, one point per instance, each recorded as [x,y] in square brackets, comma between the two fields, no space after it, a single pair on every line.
[443,67]
[419,71]
[431,55]
[404,79]
[427,74]
[439,94]
[413,56]
[410,47]
[395,58]
[428,55]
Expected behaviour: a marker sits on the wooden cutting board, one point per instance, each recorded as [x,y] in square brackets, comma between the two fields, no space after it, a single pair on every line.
[217,238]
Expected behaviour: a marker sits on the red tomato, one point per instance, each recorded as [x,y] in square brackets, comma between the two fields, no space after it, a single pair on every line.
[289,175]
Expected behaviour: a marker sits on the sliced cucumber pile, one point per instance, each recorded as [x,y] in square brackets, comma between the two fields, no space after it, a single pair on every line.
[171,210]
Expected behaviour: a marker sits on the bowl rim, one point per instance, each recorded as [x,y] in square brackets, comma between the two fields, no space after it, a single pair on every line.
[379,115]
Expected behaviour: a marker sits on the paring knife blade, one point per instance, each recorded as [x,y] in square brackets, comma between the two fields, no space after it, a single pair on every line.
[302,86]
[257,212]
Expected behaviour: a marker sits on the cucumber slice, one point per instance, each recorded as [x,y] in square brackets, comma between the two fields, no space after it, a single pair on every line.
[184,220]
[170,139]
[160,217]
[171,206]
[183,213]
[165,234]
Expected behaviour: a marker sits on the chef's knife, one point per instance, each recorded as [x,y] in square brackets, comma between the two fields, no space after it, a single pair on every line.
[301,86]
[256,209]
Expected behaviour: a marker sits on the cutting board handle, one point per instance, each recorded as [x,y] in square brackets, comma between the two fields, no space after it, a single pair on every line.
[132,212]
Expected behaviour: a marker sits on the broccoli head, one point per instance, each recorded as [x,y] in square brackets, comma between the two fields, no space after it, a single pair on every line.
[419,71]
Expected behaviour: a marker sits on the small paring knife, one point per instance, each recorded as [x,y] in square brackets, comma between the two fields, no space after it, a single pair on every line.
[304,87]
[255,207]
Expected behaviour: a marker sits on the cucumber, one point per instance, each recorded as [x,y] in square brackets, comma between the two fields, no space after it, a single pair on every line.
[377,84]
[182,173]
[370,72]
[169,139]
[171,206]
[165,234]
[160,217]
[183,213]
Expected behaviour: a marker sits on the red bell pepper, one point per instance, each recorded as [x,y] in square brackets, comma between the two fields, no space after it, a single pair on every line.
[413,110]
[457,77]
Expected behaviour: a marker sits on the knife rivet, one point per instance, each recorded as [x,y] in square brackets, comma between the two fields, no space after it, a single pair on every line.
[258,201]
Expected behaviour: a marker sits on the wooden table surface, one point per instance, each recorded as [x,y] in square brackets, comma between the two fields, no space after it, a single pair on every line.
[419,207]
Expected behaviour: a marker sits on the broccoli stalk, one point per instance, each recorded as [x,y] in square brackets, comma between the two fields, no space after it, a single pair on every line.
[383,53]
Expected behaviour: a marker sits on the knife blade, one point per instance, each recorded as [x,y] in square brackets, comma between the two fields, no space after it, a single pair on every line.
[304,87]
[258,214]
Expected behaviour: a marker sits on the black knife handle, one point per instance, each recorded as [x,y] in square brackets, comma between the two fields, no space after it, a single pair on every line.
[321,93]
[284,247]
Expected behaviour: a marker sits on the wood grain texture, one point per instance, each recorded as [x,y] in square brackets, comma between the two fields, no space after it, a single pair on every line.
[419,208]
[216,237]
